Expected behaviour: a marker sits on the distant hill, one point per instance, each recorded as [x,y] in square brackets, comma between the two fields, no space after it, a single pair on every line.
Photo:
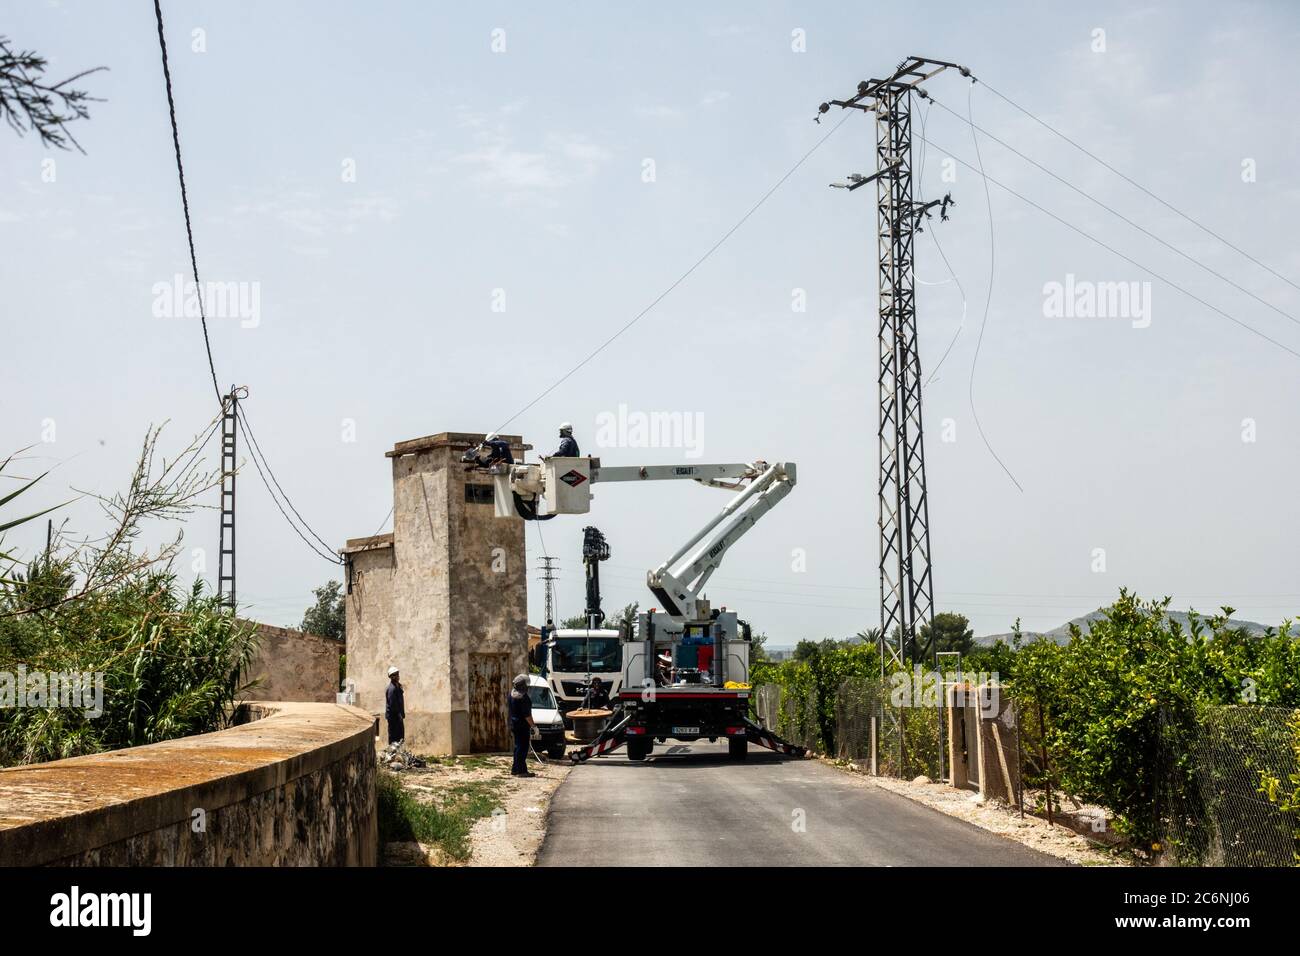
[1061,634]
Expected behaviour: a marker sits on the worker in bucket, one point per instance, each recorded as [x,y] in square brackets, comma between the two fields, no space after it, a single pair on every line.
[395,707]
[568,446]
[498,450]
[597,697]
[521,725]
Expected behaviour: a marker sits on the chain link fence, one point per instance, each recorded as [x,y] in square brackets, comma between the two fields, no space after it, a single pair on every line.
[908,739]
[1214,799]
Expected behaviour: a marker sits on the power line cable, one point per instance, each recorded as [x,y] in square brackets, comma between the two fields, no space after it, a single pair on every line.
[952,274]
[988,300]
[1129,259]
[1139,186]
[243,416]
[185,202]
[332,558]
[683,277]
[1119,215]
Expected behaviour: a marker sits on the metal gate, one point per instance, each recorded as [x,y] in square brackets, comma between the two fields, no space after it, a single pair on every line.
[489,683]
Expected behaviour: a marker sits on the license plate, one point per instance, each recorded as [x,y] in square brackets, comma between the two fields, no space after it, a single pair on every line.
[686,731]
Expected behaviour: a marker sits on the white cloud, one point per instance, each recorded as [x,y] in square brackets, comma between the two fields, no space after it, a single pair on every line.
[498,162]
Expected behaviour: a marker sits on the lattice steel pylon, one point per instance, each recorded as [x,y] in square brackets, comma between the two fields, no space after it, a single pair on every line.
[548,578]
[229,465]
[906,583]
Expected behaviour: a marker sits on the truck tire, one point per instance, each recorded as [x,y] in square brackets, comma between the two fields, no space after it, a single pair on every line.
[637,750]
[737,748]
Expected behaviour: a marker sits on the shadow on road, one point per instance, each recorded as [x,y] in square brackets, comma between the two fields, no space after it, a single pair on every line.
[686,757]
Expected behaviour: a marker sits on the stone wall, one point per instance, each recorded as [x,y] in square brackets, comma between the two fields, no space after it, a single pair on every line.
[293,788]
[295,665]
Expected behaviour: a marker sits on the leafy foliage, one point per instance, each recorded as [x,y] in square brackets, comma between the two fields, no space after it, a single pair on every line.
[173,660]
[327,616]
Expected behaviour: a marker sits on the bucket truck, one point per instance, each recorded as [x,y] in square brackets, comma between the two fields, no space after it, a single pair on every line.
[685,666]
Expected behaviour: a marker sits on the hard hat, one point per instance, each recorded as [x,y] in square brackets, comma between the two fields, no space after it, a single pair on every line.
[392,671]
[489,436]
[566,427]
[521,680]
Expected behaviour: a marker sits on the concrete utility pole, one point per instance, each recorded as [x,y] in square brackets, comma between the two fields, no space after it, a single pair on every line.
[548,578]
[906,587]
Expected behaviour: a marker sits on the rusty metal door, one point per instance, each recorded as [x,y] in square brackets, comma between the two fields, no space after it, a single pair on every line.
[489,682]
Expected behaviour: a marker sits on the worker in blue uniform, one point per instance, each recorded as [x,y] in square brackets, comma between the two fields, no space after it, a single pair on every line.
[568,446]
[499,450]
[521,725]
[395,707]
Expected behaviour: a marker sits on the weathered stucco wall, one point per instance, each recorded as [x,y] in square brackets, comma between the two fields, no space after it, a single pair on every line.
[369,610]
[295,665]
[294,788]
[445,591]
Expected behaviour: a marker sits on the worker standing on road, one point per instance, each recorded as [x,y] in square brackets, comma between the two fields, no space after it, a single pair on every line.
[597,697]
[568,446]
[521,725]
[395,707]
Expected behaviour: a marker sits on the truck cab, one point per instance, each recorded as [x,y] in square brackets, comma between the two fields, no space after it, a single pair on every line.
[572,656]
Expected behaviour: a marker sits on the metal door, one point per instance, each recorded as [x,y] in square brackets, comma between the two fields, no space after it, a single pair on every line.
[489,683]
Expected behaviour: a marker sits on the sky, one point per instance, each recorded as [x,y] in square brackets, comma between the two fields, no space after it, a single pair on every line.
[434,211]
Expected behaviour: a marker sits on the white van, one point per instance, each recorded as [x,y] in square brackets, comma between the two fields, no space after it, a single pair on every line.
[548,729]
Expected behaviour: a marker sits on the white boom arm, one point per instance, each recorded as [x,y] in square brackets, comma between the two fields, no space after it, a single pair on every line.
[563,486]
[678,581]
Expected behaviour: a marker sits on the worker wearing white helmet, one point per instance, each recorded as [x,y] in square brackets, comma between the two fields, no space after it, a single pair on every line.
[568,446]
[499,449]
[395,707]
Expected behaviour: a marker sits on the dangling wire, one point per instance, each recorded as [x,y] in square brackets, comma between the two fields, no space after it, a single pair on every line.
[988,201]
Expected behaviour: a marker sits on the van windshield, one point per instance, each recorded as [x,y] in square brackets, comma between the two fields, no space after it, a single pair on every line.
[541,698]
[574,654]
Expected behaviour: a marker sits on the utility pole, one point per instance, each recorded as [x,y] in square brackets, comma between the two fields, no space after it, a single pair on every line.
[229,465]
[906,586]
[548,578]
[906,582]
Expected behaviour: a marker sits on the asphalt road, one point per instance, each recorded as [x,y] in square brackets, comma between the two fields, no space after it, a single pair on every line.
[689,806]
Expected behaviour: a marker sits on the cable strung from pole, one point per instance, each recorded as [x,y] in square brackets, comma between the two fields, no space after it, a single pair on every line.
[1139,186]
[970,391]
[1127,258]
[1119,215]
[256,452]
[952,274]
[683,277]
[243,417]
[185,202]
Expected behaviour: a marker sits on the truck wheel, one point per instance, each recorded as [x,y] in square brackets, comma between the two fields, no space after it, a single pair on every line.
[637,750]
[737,748]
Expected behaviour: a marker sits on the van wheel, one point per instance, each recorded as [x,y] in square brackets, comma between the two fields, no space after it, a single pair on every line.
[737,748]
[556,752]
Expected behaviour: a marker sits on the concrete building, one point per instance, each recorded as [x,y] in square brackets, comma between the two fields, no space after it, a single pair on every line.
[443,597]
